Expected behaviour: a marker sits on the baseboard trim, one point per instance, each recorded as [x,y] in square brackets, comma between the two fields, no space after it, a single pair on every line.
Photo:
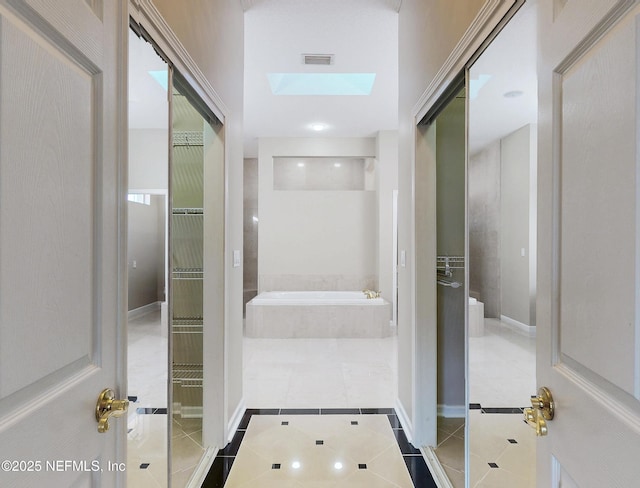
[452,411]
[516,326]
[235,419]
[404,419]
[435,468]
[136,313]
[202,469]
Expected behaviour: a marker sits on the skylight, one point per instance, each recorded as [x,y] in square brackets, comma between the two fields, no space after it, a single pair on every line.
[321,83]
[161,77]
[476,84]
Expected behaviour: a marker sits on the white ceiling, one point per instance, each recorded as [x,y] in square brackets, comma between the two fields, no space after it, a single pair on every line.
[510,61]
[148,106]
[363,37]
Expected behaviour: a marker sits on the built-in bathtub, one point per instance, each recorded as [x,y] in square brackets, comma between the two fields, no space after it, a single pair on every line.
[318,314]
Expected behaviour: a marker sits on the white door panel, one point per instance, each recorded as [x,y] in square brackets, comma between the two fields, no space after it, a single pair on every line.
[60,269]
[589,228]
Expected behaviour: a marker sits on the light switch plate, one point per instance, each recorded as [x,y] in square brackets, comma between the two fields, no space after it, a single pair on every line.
[236,258]
[403,258]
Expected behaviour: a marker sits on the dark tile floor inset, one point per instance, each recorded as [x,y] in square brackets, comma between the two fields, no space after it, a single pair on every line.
[219,472]
[419,472]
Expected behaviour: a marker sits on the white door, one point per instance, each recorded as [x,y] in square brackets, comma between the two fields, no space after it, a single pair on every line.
[62,88]
[589,242]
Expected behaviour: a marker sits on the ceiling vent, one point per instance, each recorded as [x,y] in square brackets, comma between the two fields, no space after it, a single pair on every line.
[318,59]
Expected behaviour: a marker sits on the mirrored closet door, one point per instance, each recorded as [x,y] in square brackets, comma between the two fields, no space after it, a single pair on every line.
[501,175]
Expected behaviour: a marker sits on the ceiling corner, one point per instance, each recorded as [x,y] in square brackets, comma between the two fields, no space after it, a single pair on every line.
[395,4]
[247,4]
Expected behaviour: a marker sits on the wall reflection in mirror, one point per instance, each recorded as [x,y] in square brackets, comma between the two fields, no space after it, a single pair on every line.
[501,172]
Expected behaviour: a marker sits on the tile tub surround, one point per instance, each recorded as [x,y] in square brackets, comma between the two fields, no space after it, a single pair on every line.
[308,282]
[301,447]
[275,315]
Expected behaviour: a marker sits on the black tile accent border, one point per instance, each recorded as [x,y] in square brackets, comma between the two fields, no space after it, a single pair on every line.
[151,411]
[299,411]
[222,464]
[231,449]
[339,411]
[508,410]
[419,472]
[219,472]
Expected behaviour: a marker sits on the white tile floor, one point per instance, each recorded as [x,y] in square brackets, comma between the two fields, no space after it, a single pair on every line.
[320,373]
[333,373]
[501,374]
[362,455]
[147,438]
[502,367]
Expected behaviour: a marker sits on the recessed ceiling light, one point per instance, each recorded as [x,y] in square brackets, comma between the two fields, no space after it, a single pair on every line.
[338,465]
[295,465]
[337,165]
[300,165]
[318,127]
[513,94]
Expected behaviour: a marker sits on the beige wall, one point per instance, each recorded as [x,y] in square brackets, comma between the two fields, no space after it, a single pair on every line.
[148,159]
[515,253]
[324,239]
[387,179]
[484,228]
[212,31]
[428,33]
[146,247]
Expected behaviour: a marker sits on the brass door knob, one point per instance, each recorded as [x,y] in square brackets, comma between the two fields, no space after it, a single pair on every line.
[108,407]
[542,409]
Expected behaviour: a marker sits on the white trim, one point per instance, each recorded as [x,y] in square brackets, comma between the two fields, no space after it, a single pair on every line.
[452,411]
[203,467]
[435,468]
[235,419]
[485,21]
[519,327]
[147,15]
[144,310]
[406,423]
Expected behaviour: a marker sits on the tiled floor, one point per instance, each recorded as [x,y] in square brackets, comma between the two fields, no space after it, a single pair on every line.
[331,373]
[320,373]
[147,421]
[319,448]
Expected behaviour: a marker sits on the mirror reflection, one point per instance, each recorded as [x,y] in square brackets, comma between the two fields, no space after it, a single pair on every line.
[502,255]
